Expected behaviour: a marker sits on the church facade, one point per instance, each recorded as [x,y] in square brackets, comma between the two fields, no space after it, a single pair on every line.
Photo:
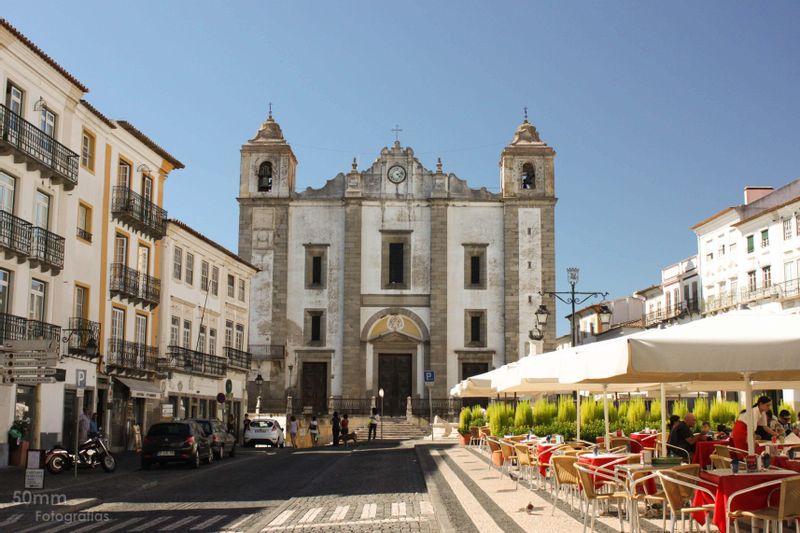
[385,272]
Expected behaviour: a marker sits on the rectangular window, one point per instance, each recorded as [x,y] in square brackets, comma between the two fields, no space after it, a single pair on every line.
[121,249]
[475,266]
[239,339]
[750,244]
[732,248]
[84,222]
[395,259]
[228,333]
[766,276]
[475,328]
[8,186]
[204,276]
[214,280]
[5,290]
[87,151]
[316,270]
[47,123]
[475,270]
[721,250]
[316,266]
[147,188]
[212,341]
[118,324]
[201,342]
[710,257]
[751,280]
[241,290]
[189,268]
[797,224]
[140,330]
[174,326]
[14,99]
[36,310]
[764,238]
[315,327]
[789,271]
[81,308]
[734,283]
[187,334]
[124,174]
[231,286]
[41,210]
[787,229]
[143,259]
[396,263]
[177,262]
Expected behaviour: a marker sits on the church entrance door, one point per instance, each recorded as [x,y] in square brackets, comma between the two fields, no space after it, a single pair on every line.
[314,383]
[394,377]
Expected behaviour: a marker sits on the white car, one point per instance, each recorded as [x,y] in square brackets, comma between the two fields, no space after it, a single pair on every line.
[264,431]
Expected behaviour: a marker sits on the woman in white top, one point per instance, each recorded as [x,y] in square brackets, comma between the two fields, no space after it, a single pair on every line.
[313,428]
[744,423]
[293,431]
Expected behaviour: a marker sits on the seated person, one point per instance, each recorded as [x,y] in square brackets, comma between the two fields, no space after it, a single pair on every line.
[783,424]
[722,431]
[681,436]
[705,429]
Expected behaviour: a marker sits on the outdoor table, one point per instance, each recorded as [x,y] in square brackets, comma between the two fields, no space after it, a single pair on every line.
[703,450]
[601,459]
[543,452]
[643,440]
[724,483]
[649,487]
[781,461]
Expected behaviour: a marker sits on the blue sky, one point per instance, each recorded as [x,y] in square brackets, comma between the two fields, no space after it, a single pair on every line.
[660,113]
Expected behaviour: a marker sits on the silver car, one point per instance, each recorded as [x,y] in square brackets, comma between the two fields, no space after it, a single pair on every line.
[264,431]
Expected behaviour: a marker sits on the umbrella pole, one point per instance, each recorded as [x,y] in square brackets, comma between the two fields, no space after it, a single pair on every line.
[578,414]
[748,400]
[607,438]
[663,420]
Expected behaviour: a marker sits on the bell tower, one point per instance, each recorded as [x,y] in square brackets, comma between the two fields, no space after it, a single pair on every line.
[526,165]
[268,164]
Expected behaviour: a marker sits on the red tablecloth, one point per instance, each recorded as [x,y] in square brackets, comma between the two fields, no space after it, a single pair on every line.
[643,440]
[601,459]
[703,450]
[784,462]
[727,484]
[544,451]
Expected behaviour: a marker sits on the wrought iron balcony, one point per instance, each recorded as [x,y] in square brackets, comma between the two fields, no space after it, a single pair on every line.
[47,248]
[192,362]
[15,328]
[677,310]
[149,289]
[125,355]
[238,358]
[267,352]
[15,234]
[142,214]
[36,147]
[83,234]
[132,284]
[81,331]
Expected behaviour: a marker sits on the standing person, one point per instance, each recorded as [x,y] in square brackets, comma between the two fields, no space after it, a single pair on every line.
[335,428]
[345,430]
[373,425]
[313,428]
[231,423]
[246,422]
[293,431]
[745,421]
[93,426]
[84,422]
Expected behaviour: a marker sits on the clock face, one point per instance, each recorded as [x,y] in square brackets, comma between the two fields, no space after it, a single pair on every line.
[396,174]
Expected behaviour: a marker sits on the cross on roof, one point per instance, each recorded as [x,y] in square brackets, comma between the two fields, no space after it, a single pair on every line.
[526,112]
[270,109]
[396,131]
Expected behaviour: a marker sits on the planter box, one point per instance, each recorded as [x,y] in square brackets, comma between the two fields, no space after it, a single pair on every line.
[464,439]
[19,454]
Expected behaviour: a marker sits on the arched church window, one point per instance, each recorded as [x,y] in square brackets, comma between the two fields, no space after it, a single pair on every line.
[528,176]
[265,177]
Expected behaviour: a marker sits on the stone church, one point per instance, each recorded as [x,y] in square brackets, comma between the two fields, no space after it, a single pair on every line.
[385,272]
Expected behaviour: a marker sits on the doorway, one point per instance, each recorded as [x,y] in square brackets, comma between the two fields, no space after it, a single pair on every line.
[314,387]
[394,377]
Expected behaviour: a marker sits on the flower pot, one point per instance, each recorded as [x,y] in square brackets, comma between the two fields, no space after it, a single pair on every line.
[464,439]
[19,454]
[497,458]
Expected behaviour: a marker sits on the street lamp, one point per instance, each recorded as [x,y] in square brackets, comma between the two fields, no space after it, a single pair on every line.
[380,393]
[91,345]
[259,381]
[573,298]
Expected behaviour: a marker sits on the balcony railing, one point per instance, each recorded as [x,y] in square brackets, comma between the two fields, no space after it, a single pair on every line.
[747,295]
[139,212]
[190,361]
[676,310]
[81,330]
[130,283]
[37,146]
[443,407]
[15,234]
[126,355]
[267,352]
[15,328]
[83,234]
[238,358]
[47,247]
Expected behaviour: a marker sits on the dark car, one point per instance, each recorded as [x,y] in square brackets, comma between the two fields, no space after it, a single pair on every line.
[222,442]
[176,442]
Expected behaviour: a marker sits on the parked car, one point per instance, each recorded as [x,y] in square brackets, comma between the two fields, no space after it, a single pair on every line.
[174,442]
[264,431]
[222,441]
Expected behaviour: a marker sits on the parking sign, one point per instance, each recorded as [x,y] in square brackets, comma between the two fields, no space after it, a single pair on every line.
[430,376]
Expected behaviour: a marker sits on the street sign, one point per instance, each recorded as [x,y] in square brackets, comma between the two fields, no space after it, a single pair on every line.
[34,478]
[228,386]
[79,393]
[28,360]
[80,378]
[19,371]
[221,398]
[430,376]
[29,380]
[37,345]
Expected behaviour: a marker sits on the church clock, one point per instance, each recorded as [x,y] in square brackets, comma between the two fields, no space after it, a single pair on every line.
[396,174]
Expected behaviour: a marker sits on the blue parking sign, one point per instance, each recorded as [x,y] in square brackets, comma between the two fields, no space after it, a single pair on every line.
[430,376]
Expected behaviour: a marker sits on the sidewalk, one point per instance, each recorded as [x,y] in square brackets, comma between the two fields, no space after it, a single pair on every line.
[493,503]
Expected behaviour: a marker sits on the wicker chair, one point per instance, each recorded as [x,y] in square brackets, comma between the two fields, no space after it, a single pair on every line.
[678,488]
[474,435]
[718,461]
[587,478]
[509,456]
[525,462]
[788,504]
[565,477]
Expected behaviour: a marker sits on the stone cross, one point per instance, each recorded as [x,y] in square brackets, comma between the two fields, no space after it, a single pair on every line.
[396,131]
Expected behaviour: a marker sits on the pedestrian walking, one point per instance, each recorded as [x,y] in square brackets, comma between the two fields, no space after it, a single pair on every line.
[374,418]
[293,431]
[246,422]
[84,422]
[335,427]
[93,426]
[313,428]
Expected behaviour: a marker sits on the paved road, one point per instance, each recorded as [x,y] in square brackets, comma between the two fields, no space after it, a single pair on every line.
[258,490]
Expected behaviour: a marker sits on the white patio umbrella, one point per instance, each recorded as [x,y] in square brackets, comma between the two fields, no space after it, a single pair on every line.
[738,346]
[480,386]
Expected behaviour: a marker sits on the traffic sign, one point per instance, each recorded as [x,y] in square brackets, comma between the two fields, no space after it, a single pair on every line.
[43,359]
[430,376]
[29,380]
[221,398]
[18,371]
[228,386]
[80,378]
[36,345]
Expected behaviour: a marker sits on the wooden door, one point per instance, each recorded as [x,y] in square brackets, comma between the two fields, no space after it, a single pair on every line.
[394,377]
[314,387]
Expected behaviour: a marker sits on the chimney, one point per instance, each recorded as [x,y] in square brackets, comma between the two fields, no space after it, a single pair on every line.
[753,193]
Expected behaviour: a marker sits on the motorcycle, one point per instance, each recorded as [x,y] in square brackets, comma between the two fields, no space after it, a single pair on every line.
[91,453]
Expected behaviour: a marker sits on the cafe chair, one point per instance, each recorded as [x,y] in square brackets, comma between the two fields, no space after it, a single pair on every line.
[484,432]
[494,450]
[509,456]
[617,442]
[788,505]
[525,463]
[676,488]
[587,478]
[565,478]
[679,452]
[718,461]
[637,492]
[474,435]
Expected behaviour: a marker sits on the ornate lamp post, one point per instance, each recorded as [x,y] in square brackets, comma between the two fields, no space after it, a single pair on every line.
[380,393]
[259,381]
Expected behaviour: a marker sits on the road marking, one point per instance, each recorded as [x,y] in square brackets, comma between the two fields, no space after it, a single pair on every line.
[121,525]
[400,519]
[151,523]
[311,515]
[11,519]
[339,513]
[175,525]
[399,509]
[369,511]
[34,528]
[282,518]
[211,521]
[134,507]
[425,507]
[99,523]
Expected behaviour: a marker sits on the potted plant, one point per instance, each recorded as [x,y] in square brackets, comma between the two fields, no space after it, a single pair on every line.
[464,422]
[17,441]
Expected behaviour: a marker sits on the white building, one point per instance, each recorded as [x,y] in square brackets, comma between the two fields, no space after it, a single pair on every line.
[204,324]
[677,298]
[627,315]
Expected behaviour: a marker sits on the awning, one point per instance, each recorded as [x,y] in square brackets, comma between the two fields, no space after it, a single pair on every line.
[142,389]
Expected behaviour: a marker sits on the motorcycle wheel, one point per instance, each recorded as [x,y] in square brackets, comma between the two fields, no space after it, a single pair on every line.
[56,464]
[108,463]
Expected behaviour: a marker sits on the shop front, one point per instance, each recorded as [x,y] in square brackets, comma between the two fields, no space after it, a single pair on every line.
[134,404]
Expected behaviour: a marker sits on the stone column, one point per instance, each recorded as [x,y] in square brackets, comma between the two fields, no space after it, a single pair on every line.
[438,325]
[353,385]
[511,280]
